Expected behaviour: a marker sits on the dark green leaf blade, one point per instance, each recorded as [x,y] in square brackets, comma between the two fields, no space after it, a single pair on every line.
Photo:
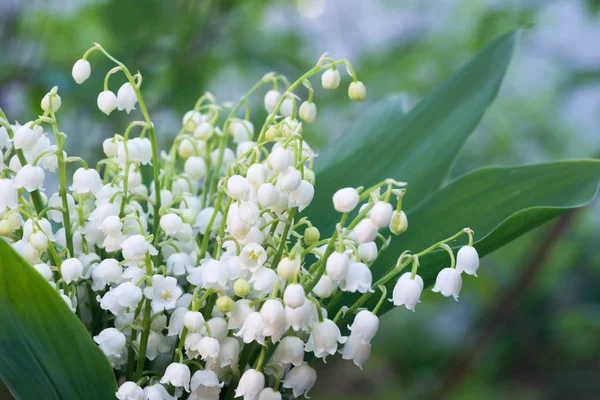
[45,351]
[498,203]
[418,147]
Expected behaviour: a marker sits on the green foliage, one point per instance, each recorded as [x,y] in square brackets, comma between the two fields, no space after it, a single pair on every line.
[45,351]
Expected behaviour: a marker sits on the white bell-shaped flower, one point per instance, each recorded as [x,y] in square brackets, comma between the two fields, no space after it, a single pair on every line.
[204,131]
[357,91]
[178,375]
[365,231]
[30,177]
[157,392]
[294,296]
[273,318]
[287,107]
[251,384]
[205,385]
[300,318]
[243,131]
[345,200]
[204,217]
[193,321]
[367,252]
[253,329]
[289,180]
[108,271]
[86,181]
[268,195]
[337,266]
[365,326]
[287,268]
[330,79]
[171,224]
[324,287]
[467,260]
[126,98]
[10,195]
[111,341]
[407,291]
[448,283]
[107,102]
[230,352]
[111,225]
[324,339]
[164,293]
[271,99]
[356,350]
[302,196]
[381,214]
[71,270]
[44,270]
[300,379]
[308,111]
[269,394]
[136,246]
[81,70]
[130,391]
[195,168]
[358,279]
[26,137]
[290,351]
[209,348]
[239,312]
[280,159]
[256,175]
[215,275]
[56,103]
[238,188]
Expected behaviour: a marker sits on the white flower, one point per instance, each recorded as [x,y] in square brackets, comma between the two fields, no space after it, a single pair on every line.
[358,279]
[86,181]
[448,283]
[193,321]
[107,102]
[269,394]
[111,342]
[248,212]
[130,391]
[289,180]
[171,224]
[209,348]
[365,326]
[356,350]
[177,375]
[407,291]
[81,70]
[126,98]
[238,188]
[157,392]
[273,318]
[271,99]
[467,260]
[381,214]
[203,131]
[56,102]
[111,225]
[365,231]
[71,270]
[324,338]
[287,268]
[218,328]
[205,385]
[243,131]
[367,252]
[39,241]
[108,271]
[294,296]
[345,200]
[263,280]
[308,111]
[164,293]
[330,79]
[253,329]
[30,177]
[253,256]
[250,385]
[287,107]
[26,138]
[44,270]
[230,352]
[125,296]
[302,196]
[10,195]
[136,246]
[195,168]
[324,287]
[256,175]
[203,219]
[176,320]
[215,275]
[337,266]
[110,147]
[268,195]
[239,313]
[290,350]
[357,91]
[280,159]
[300,379]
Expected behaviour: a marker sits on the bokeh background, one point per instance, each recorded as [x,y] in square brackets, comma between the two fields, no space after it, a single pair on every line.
[529,326]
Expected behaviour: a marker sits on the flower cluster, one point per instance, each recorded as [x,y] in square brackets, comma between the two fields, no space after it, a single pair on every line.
[204,281]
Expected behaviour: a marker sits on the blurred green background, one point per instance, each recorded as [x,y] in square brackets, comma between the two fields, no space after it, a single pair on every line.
[529,326]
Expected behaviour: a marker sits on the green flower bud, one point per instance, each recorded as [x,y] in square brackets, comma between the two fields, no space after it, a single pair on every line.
[357,91]
[241,288]
[6,227]
[399,223]
[225,303]
[311,235]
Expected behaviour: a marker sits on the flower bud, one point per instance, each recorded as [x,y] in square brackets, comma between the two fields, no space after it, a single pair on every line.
[268,195]
[398,223]
[107,102]
[195,168]
[330,79]
[224,304]
[204,131]
[287,107]
[280,159]
[294,296]
[357,91]
[44,270]
[365,231]
[71,270]
[56,102]
[448,283]
[272,133]
[256,175]
[238,187]
[381,214]
[241,288]
[311,235]
[271,99]
[467,260]
[81,71]
[308,111]
[6,227]
[289,180]
[126,98]
[39,241]
[345,200]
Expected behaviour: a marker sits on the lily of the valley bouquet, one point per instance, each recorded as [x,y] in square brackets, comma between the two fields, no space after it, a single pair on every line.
[195,268]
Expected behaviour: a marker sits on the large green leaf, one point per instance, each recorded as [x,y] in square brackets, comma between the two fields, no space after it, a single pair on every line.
[418,147]
[45,351]
[498,203]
